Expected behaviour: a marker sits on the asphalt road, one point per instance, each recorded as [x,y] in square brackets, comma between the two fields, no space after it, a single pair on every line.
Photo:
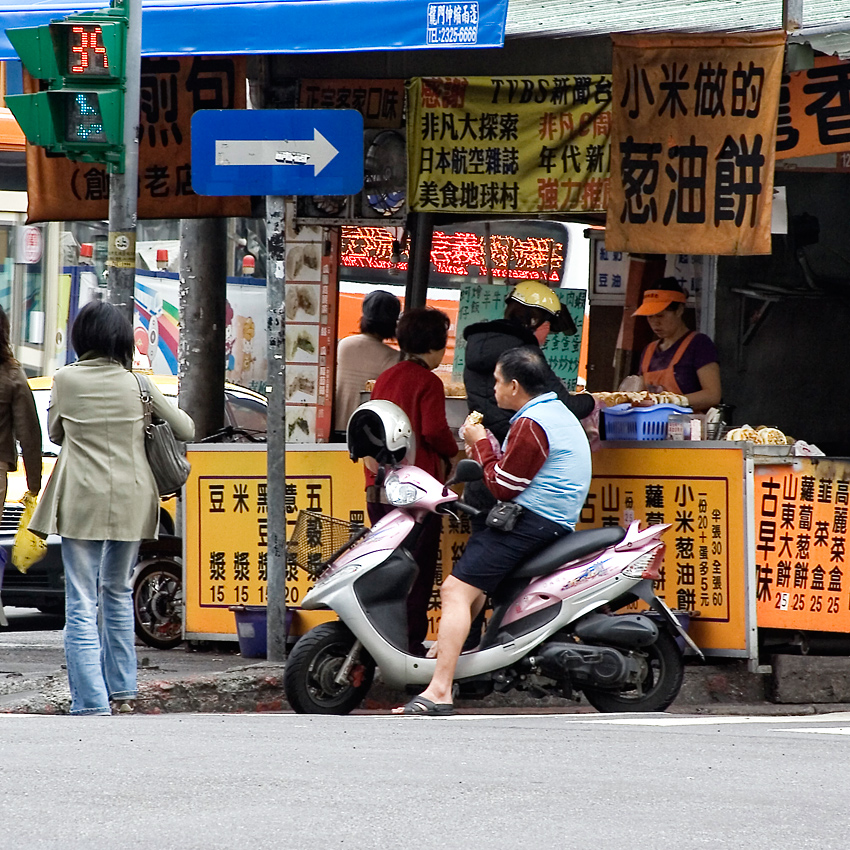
[377,781]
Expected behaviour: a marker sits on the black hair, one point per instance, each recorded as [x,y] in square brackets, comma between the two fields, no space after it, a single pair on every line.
[524,314]
[670,284]
[380,314]
[101,328]
[422,329]
[7,354]
[528,367]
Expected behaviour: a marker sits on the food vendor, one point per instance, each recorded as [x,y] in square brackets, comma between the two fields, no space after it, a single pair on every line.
[680,360]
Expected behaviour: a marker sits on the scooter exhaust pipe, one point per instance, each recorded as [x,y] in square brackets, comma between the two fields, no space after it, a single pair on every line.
[599,665]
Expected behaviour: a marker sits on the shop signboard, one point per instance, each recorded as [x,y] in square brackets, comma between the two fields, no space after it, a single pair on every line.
[311,270]
[508,145]
[380,102]
[172,89]
[693,142]
[226,537]
[484,303]
[701,493]
[814,110]
[801,545]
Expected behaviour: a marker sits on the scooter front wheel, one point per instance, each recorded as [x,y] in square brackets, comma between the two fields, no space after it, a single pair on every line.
[309,678]
[664,670]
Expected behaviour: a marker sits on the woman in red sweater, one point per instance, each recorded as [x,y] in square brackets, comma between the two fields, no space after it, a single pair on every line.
[412,385]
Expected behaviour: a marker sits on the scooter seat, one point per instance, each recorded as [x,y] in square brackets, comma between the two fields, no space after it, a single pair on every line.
[569,548]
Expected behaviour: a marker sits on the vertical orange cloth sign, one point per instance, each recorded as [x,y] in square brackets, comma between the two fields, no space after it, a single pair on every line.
[693,139]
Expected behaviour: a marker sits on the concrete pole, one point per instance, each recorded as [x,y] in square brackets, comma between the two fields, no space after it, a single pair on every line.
[419,266]
[203,296]
[276,445]
[124,188]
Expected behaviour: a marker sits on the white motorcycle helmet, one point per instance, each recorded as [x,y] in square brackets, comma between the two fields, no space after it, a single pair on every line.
[381,430]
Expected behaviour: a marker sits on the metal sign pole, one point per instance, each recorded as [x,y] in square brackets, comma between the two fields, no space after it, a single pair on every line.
[124,188]
[276,445]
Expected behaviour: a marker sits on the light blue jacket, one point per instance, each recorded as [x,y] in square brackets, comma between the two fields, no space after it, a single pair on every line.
[559,489]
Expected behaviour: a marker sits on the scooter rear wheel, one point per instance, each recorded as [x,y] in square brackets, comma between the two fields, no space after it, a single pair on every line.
[665,670]
[314,663]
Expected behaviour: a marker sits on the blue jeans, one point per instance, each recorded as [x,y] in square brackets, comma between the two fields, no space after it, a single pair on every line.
[100,648]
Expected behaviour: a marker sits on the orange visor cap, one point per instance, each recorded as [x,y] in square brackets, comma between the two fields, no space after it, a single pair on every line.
[656,300]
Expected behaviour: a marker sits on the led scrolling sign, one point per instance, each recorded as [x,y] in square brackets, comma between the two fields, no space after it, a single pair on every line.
[461,253]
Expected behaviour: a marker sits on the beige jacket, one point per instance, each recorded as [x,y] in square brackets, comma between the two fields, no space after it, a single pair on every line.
[359,359]
[102,487]
[19,421]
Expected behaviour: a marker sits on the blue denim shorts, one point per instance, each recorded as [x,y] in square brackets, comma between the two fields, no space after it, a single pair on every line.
[490,554]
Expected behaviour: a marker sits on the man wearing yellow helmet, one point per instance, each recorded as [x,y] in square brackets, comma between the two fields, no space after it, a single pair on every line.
[532,312]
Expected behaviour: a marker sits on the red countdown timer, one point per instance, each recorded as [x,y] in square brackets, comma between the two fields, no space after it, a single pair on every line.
[86,54]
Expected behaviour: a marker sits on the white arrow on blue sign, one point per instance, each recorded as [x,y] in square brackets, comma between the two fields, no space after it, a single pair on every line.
[277,152]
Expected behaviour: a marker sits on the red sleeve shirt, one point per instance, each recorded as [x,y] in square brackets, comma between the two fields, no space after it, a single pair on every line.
[420,394]
[526,450]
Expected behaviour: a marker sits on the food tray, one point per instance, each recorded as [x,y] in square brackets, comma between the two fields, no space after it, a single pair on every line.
[624,422]
[760,450]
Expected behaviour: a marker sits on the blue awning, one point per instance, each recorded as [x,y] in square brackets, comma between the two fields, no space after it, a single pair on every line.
[173,27]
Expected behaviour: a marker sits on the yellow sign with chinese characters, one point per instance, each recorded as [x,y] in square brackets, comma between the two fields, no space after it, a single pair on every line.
[508,145]
[701,493]
[693,142]
[226,539]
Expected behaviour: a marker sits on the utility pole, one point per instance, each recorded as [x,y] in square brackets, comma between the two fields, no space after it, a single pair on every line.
[203,305]
[124,187]
[276,445]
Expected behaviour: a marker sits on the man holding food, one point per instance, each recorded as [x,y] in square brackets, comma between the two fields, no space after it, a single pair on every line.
[542,478]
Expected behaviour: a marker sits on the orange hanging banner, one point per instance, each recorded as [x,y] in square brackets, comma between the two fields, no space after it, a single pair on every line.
[693,138]
[814,112]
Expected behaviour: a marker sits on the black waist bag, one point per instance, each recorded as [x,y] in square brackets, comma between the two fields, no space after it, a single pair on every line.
[504,515]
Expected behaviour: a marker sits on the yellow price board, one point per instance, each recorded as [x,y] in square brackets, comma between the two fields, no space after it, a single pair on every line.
[227,524]
[701,493]
[227,530]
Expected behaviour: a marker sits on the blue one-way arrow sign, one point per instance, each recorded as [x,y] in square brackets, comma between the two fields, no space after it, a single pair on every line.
[277,152]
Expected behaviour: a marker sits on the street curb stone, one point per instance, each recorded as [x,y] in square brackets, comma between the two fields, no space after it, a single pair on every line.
[708,689]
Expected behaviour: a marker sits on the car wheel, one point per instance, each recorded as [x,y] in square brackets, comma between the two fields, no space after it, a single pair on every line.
[158,603]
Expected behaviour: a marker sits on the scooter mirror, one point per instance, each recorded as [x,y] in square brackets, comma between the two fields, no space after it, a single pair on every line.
[467,470]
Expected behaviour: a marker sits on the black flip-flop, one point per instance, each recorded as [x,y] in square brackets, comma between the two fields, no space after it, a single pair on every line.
[423,707]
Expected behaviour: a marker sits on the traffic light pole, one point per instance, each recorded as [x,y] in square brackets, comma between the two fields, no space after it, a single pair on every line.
[124,187]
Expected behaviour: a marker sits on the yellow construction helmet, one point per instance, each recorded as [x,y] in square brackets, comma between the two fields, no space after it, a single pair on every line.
[532,293]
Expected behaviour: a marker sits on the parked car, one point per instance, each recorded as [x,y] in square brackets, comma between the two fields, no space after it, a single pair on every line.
[158,576]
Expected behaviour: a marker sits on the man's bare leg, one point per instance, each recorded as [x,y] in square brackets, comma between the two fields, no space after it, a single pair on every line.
[476,610]
[457,600]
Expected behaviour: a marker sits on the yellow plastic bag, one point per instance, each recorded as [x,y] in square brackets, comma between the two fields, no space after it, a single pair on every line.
[28,548]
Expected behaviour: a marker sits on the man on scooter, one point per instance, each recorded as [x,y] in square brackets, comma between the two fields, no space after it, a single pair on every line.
[543,473]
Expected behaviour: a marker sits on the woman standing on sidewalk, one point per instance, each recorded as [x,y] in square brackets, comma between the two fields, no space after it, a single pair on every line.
[102,500]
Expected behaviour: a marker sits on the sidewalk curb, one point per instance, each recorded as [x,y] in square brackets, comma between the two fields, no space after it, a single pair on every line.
[728,689]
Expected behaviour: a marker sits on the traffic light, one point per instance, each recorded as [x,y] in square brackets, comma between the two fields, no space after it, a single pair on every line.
[80,62]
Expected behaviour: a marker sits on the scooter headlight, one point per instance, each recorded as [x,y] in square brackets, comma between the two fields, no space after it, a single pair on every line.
[400,494]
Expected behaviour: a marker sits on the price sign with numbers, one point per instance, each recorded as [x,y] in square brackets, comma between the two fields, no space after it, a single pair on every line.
[801,545]
[701,493]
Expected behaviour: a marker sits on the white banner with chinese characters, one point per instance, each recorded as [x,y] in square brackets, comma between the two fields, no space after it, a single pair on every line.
[692,144]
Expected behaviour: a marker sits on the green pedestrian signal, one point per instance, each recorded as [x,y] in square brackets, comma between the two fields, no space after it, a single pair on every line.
[80,65]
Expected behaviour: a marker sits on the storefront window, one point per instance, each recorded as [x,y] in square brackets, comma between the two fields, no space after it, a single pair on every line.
[7,267]
[33,304]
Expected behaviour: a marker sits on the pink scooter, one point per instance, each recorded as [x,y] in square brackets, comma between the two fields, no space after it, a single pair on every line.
[551,633]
